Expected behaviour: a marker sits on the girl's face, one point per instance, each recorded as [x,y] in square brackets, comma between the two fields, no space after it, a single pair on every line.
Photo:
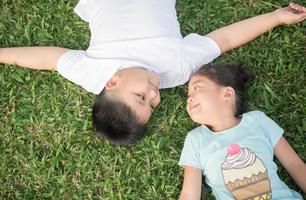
[205,100]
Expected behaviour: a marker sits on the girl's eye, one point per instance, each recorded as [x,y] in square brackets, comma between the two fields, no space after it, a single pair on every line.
[196,87]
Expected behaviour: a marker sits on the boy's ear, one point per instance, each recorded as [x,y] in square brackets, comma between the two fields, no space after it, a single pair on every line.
[113,83]
[229,93]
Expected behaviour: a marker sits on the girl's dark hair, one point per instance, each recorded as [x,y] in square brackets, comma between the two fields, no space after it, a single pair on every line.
[116,121]
[232,75]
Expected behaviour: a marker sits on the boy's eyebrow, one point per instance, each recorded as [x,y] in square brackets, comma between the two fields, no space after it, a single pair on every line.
[137,99]
[195,82]
[143,104]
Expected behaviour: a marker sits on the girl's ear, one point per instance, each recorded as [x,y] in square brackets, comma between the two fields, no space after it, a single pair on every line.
[113,83]
[229,93]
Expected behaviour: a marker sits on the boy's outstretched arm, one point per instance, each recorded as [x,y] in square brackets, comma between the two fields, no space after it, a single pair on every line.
[40,58]
[237,34]
[291,162]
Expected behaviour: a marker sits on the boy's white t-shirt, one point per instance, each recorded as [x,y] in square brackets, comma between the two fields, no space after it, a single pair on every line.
[135,33]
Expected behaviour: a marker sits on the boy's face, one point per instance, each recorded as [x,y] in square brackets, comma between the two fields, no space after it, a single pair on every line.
[139,89]
[205,100]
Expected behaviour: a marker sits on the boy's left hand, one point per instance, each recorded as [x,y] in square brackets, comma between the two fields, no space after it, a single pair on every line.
[291,14]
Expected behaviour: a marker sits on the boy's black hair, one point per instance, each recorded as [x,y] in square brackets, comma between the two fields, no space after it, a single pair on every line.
[115,121]
[232,75]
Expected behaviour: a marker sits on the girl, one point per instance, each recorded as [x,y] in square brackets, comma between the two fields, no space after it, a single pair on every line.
[234,150]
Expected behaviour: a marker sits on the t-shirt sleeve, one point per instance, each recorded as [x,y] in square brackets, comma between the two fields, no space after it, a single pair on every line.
[273,130]
[87,9]
[198,50]
[90,73]
[190,155]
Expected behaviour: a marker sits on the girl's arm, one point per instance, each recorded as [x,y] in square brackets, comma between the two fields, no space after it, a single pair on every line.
[40,58]
[291,162]
[237,34]
[192,184]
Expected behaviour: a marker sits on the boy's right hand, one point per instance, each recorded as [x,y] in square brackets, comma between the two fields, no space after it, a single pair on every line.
[291,14]
[40,58]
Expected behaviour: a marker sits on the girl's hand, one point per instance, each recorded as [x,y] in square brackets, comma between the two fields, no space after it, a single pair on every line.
[291,14]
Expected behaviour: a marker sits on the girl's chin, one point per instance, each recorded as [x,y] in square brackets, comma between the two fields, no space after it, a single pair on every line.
[198,119]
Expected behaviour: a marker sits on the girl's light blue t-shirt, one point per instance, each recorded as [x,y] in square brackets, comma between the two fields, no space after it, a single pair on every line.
[239,173]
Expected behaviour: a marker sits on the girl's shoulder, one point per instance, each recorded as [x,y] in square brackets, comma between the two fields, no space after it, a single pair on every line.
[255,113]
[198,133]
[258,116]
[262,120]
[195,132]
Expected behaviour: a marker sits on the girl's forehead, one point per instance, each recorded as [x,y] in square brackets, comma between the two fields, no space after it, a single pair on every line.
[193,80]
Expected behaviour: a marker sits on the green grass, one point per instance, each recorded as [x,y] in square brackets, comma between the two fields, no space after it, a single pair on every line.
[47,149]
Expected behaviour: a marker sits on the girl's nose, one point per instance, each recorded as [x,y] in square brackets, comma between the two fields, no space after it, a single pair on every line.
[189,100]
[189,103]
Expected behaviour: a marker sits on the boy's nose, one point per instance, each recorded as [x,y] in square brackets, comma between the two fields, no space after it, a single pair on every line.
[154,91]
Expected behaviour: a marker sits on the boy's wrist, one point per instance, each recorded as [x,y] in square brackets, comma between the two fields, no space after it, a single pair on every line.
[276,15]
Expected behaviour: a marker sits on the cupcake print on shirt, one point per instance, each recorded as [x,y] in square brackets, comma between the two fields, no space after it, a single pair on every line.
[244,175]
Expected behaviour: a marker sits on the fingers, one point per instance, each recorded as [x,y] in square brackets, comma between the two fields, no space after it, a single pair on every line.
[303,17]
[300,10]
[297,8]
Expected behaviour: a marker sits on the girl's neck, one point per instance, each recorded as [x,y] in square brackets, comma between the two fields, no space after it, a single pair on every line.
[225,123]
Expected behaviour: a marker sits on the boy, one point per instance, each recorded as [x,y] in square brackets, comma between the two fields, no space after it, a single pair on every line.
[136,48]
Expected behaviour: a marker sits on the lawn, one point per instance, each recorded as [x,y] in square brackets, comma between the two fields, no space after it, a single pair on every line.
[47,146]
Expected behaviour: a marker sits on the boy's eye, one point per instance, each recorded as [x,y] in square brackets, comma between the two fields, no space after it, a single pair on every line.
[142,97]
